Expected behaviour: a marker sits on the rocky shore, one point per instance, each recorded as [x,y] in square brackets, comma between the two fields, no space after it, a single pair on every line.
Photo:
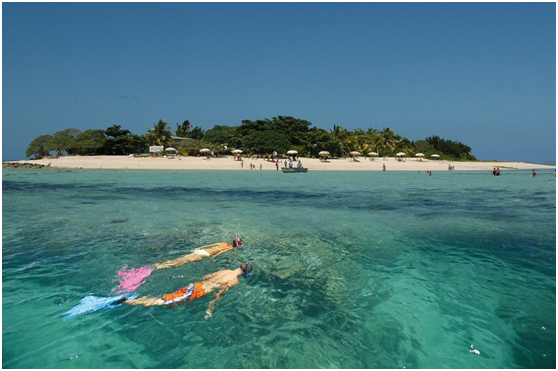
[23,165]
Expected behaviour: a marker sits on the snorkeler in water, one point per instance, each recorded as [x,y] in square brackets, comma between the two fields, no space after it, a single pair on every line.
[133,278]
[222,280]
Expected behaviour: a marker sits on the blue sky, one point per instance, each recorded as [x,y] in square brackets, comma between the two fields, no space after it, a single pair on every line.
[483,74]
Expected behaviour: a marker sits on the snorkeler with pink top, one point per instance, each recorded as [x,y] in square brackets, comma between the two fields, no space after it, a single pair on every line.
[133,278]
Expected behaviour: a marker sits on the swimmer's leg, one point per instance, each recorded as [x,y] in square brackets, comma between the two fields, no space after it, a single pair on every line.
[146,301]
[192,257]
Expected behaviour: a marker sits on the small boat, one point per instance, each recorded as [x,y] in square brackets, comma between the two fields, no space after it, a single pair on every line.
[294,169]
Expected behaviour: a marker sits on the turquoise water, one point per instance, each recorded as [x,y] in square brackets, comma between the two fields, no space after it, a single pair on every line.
[351,269]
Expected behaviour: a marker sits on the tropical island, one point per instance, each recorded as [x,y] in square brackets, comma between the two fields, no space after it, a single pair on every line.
[260,137]
[266,141]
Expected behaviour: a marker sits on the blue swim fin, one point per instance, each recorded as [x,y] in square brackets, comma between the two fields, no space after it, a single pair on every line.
[92,303]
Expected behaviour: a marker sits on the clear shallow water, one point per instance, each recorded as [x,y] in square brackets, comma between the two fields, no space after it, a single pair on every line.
[352,269]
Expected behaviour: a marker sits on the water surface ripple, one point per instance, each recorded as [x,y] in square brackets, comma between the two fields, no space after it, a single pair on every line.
[352,269]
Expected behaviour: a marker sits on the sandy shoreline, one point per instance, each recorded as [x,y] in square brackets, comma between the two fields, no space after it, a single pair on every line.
[228,163]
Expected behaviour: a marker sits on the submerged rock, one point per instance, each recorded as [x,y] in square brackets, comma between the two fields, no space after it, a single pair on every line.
[23,165]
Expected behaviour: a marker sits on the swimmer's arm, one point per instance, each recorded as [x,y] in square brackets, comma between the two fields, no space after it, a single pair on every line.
[219,253]
[211,308]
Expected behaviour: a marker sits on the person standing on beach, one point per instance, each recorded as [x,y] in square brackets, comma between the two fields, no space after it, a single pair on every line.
[383,167]
[222,280]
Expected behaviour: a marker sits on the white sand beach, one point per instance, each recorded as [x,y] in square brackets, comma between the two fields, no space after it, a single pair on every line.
[229,163]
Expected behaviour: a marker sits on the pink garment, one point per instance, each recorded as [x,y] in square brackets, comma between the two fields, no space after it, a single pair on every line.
[133,278]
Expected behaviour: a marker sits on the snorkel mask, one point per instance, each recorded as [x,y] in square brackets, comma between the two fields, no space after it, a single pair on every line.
[238,241]
[246,273]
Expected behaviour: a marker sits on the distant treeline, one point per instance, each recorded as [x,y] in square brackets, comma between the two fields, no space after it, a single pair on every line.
[261,137]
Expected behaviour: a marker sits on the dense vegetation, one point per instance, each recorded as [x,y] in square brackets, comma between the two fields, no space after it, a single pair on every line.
[260,137]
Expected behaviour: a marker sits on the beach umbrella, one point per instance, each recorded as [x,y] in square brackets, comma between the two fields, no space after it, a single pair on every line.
[205,150]
[170,149]
[355,153]
[237,151]
[323,153]
[401,154]
[292,152]
[434,155]
[372,154]
[419,155]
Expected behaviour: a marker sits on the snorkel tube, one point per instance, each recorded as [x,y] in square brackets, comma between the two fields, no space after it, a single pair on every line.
[246,273]
[236,240]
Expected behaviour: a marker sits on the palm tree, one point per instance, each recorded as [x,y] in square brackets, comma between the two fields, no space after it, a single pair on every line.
[388,141]
[160,134]
[182,130]
[342,137]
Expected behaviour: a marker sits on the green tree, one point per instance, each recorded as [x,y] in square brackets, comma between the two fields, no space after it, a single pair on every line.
[196,133]
[116,142]
[422,146]
[64,141]
[122,142]
[455,150]
[267,141]
[115,131]
[224,135]
[160,134]
[247,127]
[90,142]
[183,130]
[40,147]
[342,139]
[292,128]
[320,140]
[136,143]
[388,142]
